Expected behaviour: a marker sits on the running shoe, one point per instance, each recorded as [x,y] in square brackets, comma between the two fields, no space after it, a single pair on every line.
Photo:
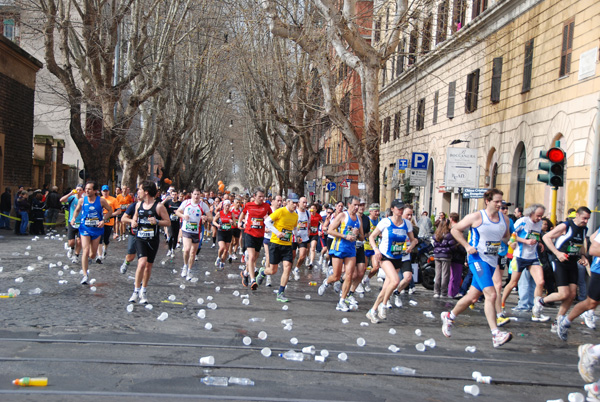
[502,320]
[253,285]
[322,288]
[75,259]
[500,338]
[351,299]
[189,276]
[562,329]
[233,257]
[213,245]
[168,253]
[540,318]
[70,253]
[397,300]
[98,260]
[123,268]
[84,280]
[244,279]
[281,298]
[342,306]
[143,298]
[537,309]
[590,319]
[554,326]
[229,259]
[436,296]
[382,311]
[412,291]
[587,361]
[593,392]
[184,271]
[217,262]
[134,297]
[360,288]
[447,324]
[371,315]
[268,281]
[388,304]
[261,276]
[367,284]
[296,273]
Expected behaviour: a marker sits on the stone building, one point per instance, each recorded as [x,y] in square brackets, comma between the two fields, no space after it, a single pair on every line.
[504,79]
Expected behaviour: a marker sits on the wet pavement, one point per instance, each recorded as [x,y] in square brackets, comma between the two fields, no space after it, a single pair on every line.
[91,348]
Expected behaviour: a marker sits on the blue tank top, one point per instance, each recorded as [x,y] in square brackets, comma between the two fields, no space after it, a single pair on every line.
[345,228]
[91,216]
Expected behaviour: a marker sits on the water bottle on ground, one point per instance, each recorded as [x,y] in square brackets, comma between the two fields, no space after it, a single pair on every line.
[215,381]
[241,381]
[292,355]
[403,370]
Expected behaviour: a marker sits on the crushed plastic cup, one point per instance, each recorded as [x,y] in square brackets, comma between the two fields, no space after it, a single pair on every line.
[257,319]
[202,314]
[364,324]
[92,281]
[284,307]
[93,288]
[200,300]
[209,298]
[29,247]
[149,306]
[310,350]
[576,397]
[30,268]
[307,297]
[212,306]
[194,280]
[172,298]
[19,280]
[471,349]
[236,293]
[345,320]
[294,341]
[208,326]
[475,375]
[420,347]
[262,335]
[287,321]
[413,302]
[182,286]
[324,352]
[361,342]
[484,379]
[163,316]
[60,273]
[59,263]
[320,359]
[246,302]
[288,327]
[393,348]
[35,291]
[342,357]
[218,289]
[130,308]
[392,331]
[207,361]
[266,352]
[430,343]
[247,340]
[418,332]
[40,258]
[471,390]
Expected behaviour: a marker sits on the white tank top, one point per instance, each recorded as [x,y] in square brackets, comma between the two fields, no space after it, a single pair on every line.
[487,237]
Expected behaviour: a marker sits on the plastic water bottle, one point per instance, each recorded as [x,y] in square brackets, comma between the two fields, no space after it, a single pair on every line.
[403,370]
[215,381]
[292,355]
[257,319]
[163,316]
[241,381]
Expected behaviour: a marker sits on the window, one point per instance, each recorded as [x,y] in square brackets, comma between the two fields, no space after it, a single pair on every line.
[567,47]
[421,115]
[400,58]
[381,131]
[494,175]
[458,15]
[383,74]
[408,120]
[442,22]
[527,67]
[386,129]
[397,118]
[479,6]
[377,33]
[9,29]
[496,79]
[472,91]
[451,99]
[412,48]
[436,99]
[426,40]
[521,177]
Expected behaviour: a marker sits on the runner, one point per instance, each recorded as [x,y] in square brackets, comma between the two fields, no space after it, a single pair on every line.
[131,239]
[394,255]
[301,236]
[74,242]
[172,203]
[223,221]
[586,307]
[193,212]
[528,230]
[346,228]
[282,223]
[276,203]
[369,251]
[406,276]
[149,215]
[236,210]
[488,228]
[315,222]
[108,226]
[569,249]
[361,260]
[326,216]
[252,220]
[92,224]
[214,209]
[125,199]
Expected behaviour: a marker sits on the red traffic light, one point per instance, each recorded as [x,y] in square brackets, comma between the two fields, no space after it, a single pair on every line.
[555,155]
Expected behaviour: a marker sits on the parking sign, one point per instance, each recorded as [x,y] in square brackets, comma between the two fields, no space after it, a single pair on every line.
[419,160]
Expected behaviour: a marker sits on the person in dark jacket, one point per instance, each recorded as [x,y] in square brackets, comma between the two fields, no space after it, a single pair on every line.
[37,215]
[53,206]
[5,206]
[457,262]
[22,208]
[443,242]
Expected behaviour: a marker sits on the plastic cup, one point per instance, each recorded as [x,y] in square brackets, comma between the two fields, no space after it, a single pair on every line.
[284,307]
[181,286]
[129,308]
[430,343]
[471,349]
[208,326]
[392,331]
[266,352]
[207,361]
[324,353]
[576,397]
[343,357]
[172,297]
[149,306]
[320,359]
[418,332]
[472,390]
[345,321]
[294,341]
[262,335]
[247,340]
[246,302]
[476,375]
[420,347]
[163,316]
[202,314]
[361,342]
[393,348]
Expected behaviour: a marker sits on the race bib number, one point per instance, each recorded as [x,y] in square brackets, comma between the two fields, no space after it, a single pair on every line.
[302,225]
[91,222]
[226,226]
[574,249]
[533,235]
[314,230]
[191,227]
[173,217]
[145,233]
[256,223]
[492,247]
[287,235]
[76,225]
[397,247]
[123,207]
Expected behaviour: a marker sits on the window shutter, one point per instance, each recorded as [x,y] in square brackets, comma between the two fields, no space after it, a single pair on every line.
[527,67]
[436,98]
[408,121]
[496,79]
[451,98]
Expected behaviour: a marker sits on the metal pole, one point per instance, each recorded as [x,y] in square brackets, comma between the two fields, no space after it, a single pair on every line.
[593,190]
[553,206]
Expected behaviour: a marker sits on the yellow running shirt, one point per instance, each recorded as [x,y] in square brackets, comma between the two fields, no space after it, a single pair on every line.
[285,222]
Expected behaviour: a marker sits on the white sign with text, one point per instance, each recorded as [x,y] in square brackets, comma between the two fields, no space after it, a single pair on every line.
[461,167]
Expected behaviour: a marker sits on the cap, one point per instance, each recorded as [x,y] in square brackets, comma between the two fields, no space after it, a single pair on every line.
[374,206]
[105,188]
[397,203]
[293,197]
[362,201]
[506,204]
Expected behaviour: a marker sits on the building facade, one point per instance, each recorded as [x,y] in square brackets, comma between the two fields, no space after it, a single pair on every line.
[505,79]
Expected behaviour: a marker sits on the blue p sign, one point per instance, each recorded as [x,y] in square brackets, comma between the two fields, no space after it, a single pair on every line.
[419,160]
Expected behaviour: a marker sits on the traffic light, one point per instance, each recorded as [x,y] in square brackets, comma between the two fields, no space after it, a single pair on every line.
[555,167]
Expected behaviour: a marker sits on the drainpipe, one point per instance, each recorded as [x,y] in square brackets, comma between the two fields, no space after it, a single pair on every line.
[593,189]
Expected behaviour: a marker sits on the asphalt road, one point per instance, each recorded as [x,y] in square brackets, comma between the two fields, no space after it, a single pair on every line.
[91,348]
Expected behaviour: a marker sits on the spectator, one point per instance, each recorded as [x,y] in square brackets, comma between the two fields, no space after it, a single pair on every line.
[37,215]
[53,206]
[425,225]
[442,252]
[441,218]
[22,207]
[5,207]
[457,262]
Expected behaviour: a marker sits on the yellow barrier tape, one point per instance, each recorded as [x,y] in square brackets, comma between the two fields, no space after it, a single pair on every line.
[19,219]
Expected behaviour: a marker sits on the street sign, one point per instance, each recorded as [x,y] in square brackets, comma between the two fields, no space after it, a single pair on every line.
[345,183]
[331,186]
[402,165]
[473,193]
[461,168]
[418,178]
[419,160]
[362,186]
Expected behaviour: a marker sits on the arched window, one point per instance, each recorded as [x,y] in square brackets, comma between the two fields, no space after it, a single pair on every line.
[494,176]
[521,174]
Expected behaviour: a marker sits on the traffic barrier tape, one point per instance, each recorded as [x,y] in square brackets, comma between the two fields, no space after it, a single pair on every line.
[46,224]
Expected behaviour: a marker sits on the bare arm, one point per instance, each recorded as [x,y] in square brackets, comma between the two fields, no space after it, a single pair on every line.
[549,237]
[163,214]
[77,211]
[458,229]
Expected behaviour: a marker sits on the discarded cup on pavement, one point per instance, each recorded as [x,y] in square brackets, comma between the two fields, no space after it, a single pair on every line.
[284,307]
[200,300]
[392,331]
[287,321]
[342,356]
[172,297]
[320,359]
[163,316]
[471,349]
[93,288]
[236,293]
[413,302]
[475,375]
[182,286]
[420,347]
[361,342]
[309,349]
[247,340]
[418,332]
[256,319]
[484,379]
[202,314]
[208,326]
[218,289]
[576,397]
[207,361]
[393,348]
[307,297]
[324,352]
[149,306]
[262,335]
[266,352]
[472,390]
[246,302]
[403,370]
[294,341]
[430,343]
[345,320]
[129,308]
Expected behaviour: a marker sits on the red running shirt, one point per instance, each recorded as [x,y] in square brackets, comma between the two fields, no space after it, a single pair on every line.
[255,218]
[315,219]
